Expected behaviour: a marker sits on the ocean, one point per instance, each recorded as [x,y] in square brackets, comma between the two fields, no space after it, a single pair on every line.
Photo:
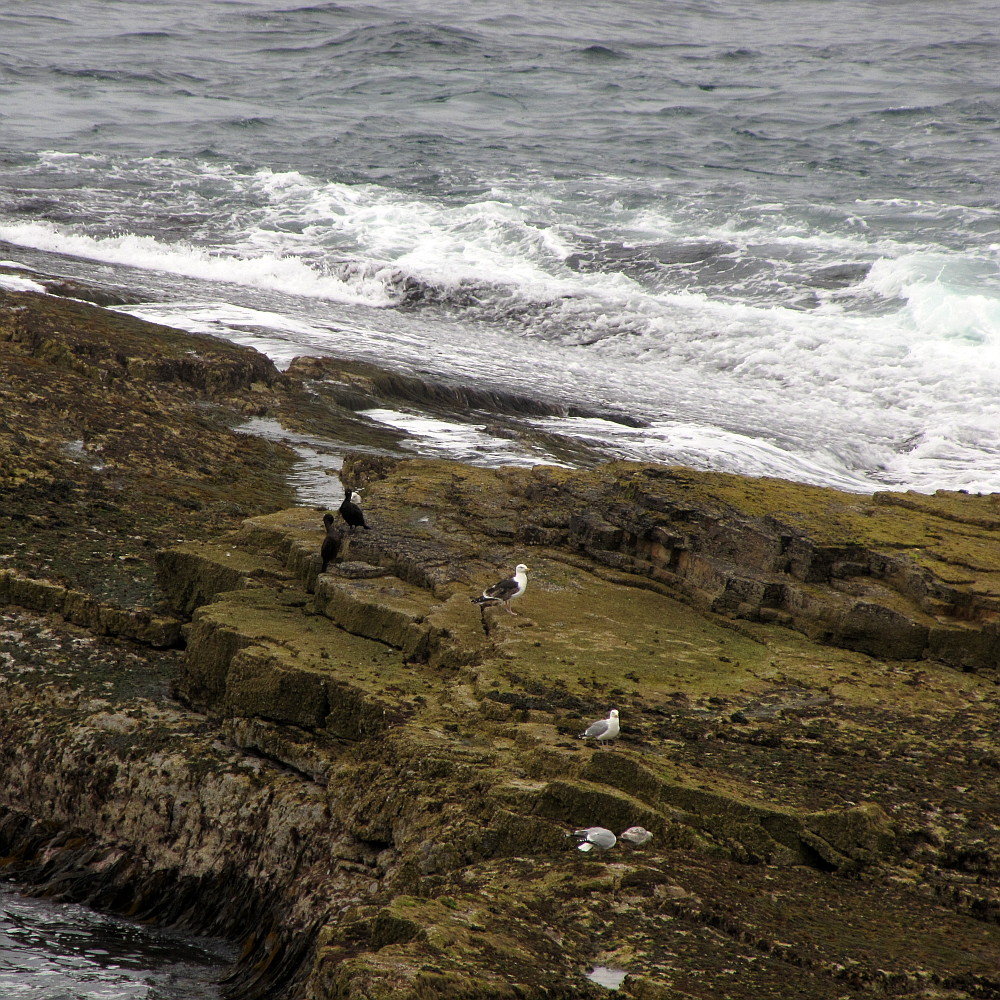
[764,234]
[60,951]
[751,237]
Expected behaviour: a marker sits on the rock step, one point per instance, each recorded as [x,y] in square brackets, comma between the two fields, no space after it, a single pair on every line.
[400,614]
[290,537]
[263,653]
[283,551]
[616,791]
[877,605]
[81,609]
[194,573]
[835,838]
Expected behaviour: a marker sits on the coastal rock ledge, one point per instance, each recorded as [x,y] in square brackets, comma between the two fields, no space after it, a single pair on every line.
[368,782]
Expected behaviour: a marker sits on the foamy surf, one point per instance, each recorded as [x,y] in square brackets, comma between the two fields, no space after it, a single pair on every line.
[282,338]
[760,343]
[269,272]
[466,442]
[15,283]
[700,446]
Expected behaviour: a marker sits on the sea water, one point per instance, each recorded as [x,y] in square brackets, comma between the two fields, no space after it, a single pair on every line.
[60,951]
[766,232]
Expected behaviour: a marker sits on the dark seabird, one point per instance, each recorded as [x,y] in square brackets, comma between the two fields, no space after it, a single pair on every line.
[506,590]
[351,512]
[331,544]
[604,730]
[594,836]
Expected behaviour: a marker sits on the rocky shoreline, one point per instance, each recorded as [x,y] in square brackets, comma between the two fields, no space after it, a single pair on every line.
[367,782]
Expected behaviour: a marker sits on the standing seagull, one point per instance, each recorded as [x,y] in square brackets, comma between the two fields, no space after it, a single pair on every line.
[351,512]
[604,730]
[331,544]
[506,590]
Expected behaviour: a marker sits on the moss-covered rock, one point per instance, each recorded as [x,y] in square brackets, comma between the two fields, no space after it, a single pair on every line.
[371,781]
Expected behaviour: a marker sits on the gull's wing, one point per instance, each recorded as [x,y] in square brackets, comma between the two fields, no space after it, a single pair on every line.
[502,591]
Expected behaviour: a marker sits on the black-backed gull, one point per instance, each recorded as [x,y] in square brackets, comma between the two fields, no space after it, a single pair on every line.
[506,590]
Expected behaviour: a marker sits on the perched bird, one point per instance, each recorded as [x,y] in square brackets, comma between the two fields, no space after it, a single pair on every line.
[594,836]
[506,590]
[351,512]
[637,835]
[331,544]
[604,730]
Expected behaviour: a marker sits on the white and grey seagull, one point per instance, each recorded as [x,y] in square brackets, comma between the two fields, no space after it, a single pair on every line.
[603,730]
[594,836]
[506,590]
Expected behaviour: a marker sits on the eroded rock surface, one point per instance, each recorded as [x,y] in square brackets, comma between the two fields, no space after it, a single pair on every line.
[370,782]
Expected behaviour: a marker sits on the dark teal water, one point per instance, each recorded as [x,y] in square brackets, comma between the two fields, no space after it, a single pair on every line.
[58,951]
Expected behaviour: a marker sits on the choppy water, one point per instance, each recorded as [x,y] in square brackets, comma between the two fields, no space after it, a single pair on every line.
[768,230]
[58,951]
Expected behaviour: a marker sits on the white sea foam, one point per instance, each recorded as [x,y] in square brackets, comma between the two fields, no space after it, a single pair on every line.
[268,271]
[281,337]
[449,439]
[15,283]
[497,243]
[487,240]
[705,447]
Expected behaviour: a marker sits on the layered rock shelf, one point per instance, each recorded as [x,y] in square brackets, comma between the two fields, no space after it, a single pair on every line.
[368,782]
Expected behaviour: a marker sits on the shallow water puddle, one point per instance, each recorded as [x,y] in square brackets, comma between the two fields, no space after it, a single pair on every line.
[607,977]
[314,477]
